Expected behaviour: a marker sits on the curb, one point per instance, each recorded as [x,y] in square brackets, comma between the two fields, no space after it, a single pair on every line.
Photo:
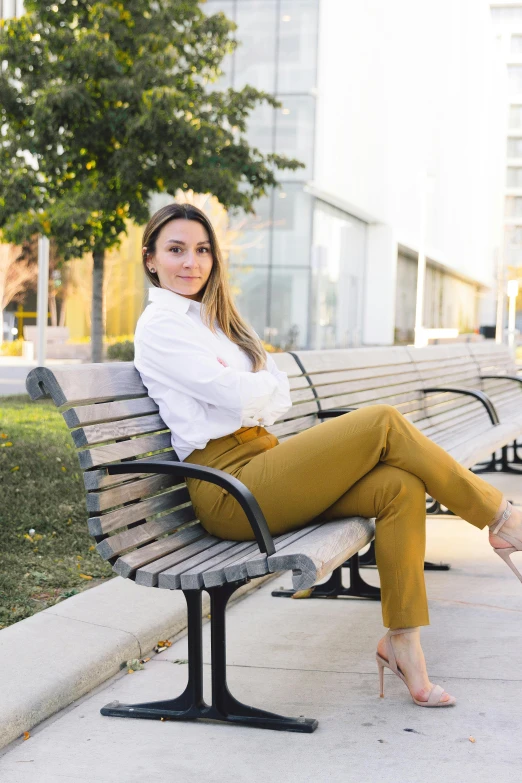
[52,658]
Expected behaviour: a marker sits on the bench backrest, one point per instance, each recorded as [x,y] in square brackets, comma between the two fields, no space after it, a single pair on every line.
[112,419]
[493,359]
[397,376]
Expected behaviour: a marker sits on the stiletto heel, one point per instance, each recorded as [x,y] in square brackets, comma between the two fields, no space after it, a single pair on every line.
[381,677]
[435,695]
[505,554]
[516,546]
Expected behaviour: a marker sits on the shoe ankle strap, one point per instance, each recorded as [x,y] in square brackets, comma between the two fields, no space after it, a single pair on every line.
[402,630]
[505,516]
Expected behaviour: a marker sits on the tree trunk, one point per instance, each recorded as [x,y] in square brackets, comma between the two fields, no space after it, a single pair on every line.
[97,329]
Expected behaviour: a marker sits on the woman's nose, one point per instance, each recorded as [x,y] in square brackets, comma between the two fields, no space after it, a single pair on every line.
[191,260]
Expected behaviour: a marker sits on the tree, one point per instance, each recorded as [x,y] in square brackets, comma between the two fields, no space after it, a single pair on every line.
[17,274]
[104,103]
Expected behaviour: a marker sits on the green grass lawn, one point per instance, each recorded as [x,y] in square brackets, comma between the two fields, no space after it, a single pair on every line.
[41,489]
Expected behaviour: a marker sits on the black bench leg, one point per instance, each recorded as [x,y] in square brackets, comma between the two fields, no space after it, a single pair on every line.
[367,560]
[492,466]
[505,462]
[226,707]
[191,705]
[334,588]
[502,464]
[516,459]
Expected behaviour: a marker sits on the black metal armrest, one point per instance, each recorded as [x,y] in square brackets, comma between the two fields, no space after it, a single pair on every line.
[478,395]
[333,412]
[236,488]
[503,377]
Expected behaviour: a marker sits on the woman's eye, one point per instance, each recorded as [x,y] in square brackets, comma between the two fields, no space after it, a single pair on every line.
[204,250]
[176,248]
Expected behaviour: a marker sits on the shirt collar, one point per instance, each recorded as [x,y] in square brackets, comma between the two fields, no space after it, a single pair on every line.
[172,301]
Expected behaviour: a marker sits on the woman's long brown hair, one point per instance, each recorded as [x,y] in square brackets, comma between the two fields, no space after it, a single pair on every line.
[217,296]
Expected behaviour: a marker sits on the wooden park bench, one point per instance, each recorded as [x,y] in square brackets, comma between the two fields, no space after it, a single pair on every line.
[483,367]
[144,524]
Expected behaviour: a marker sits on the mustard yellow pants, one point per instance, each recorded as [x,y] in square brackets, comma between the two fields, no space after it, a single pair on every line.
[370,462]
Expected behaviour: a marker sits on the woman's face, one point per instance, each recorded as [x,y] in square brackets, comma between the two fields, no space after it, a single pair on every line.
[183,258]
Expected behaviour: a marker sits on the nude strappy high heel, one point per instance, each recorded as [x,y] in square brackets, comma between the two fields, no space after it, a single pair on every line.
[516,546]
[434,698]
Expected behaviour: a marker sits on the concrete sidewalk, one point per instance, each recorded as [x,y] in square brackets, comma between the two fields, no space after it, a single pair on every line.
[317,658]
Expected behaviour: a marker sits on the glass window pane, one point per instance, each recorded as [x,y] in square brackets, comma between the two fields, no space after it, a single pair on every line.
[514,237]
[261,128]
[338,262]
[289,292]
[295,133]
[515,78]
[514,148]
[514,177]
[507,14]
[514,256]
[210,8]
[515,116]
[516,44]
[250,236]
[514,206]
[297,45]
[292,229]
[250,287]
[256,52]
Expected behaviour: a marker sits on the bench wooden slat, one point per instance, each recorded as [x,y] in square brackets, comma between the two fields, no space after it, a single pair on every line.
[86,383]
[179,542]
[101,455]
[109,411]
[258,560]
[148,572]
[385,389]
[369,374]
[100,478]
[293,426]
[323,549]
[144,534]
[126,515]
[193,578]
[171,578]
[101,433]
[322,360]
[125,493]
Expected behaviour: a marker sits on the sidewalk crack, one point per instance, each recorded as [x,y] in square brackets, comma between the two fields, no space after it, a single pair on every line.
[100,625]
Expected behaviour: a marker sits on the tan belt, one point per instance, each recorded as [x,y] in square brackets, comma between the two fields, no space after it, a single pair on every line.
[244,434]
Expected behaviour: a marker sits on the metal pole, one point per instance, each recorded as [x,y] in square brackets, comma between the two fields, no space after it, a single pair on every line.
[512,296]
[42,298]
[420,337]
[501,286]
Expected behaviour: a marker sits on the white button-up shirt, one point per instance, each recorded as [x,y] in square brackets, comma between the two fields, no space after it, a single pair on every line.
[199,399]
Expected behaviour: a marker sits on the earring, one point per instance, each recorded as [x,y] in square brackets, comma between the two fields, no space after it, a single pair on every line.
[153,271]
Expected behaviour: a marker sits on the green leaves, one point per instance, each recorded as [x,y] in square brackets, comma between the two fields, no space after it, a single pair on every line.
[111,99]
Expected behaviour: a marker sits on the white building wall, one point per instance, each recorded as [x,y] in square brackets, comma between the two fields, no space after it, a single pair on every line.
[418,87]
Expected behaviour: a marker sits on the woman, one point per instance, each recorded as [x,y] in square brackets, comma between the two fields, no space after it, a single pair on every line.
[217,390]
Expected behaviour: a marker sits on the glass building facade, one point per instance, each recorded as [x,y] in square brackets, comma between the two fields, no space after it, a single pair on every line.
[299,268]
[271,266]
[10,8]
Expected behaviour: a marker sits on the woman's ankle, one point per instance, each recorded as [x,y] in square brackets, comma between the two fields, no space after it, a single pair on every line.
[504,511]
